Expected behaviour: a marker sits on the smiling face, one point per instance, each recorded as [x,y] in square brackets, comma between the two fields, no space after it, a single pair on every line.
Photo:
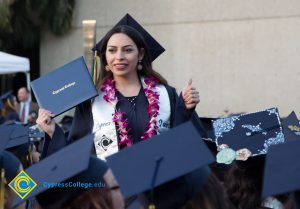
[122,55]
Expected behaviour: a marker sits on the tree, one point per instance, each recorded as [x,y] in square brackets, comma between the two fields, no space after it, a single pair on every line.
[21,21]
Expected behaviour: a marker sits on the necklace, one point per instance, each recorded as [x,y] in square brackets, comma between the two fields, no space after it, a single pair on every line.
[109,90]
[132,100]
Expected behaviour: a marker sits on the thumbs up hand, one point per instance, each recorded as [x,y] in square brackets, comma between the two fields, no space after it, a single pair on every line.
[190,96]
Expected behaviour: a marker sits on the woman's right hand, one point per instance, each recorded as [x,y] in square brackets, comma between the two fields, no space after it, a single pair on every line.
[46,122]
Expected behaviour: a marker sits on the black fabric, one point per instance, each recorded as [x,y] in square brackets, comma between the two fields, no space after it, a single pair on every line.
[297,199]
[135,114]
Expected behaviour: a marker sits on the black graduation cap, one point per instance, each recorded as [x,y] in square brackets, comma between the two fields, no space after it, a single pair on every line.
[19,135]
[255,131]
[6,95]
[291,127]
[5,132]
[154,47]
[160,159]
[282,169]
[70,164]
[3,97]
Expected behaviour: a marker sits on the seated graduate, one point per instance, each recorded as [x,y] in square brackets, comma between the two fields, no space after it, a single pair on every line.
[67,179]
[134,103]
[243,141]
[10,166]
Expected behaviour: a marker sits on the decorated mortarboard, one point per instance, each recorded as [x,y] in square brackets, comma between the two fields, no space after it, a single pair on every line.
[282,169]
[56,175]
[160,159]
[241,136]
[154,47]
[35,134]
[291,127]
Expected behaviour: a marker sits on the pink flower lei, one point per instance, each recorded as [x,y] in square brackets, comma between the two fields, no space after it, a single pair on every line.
[109,89]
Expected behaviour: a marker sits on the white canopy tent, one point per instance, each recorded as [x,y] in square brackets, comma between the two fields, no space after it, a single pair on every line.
[13,64]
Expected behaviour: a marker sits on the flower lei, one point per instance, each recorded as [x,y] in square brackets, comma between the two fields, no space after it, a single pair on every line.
[109,90]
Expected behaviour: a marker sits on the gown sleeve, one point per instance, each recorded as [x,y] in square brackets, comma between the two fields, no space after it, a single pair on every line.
[81,126]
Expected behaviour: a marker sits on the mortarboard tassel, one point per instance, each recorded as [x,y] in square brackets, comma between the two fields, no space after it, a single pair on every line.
[2,188]
[30,148]
[95,68]
[151,206]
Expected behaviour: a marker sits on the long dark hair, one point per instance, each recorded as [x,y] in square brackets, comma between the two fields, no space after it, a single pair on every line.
[9,106]
[138,39]
[212,196]
[243,182]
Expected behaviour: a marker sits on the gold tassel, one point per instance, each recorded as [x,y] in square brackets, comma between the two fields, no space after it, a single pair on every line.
[95,68]
[30,154]
[2,188]
[151,206]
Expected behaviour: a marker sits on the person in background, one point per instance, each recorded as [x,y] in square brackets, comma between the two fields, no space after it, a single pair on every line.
[27,110]
[8,110]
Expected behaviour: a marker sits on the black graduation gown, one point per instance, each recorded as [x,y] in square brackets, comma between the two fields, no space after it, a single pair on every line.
[83,115]
[170,195]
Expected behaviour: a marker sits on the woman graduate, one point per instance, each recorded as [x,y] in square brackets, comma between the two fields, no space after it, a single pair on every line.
[134,102]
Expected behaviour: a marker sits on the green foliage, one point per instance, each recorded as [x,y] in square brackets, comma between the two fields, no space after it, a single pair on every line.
[5,16]
[60,19]
[24,20]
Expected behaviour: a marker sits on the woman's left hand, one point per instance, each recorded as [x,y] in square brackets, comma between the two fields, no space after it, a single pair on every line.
[190,96]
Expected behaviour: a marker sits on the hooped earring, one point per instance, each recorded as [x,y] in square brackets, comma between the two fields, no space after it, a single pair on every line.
[107,68]
[140,66]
